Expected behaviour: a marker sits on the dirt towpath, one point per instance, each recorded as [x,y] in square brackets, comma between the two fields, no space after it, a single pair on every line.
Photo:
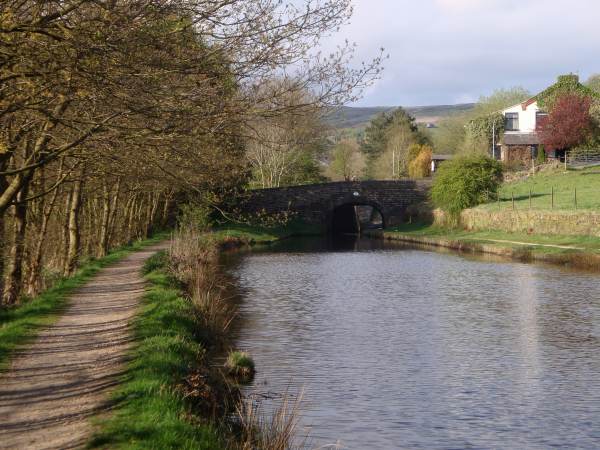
[55,384]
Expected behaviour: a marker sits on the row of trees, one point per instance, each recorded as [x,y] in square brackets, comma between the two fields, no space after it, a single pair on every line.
[391,147]
[112,111]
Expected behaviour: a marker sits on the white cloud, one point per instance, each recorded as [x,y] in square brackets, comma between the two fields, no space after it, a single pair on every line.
[454,5]
[444,51]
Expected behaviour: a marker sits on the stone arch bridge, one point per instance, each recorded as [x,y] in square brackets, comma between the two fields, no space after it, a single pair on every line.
[325,203]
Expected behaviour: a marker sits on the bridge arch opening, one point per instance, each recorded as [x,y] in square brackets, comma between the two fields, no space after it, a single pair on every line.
[355,217]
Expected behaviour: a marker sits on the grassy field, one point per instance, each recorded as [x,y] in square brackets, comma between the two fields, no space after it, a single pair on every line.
[150,412]
[516,241]
[586,182]
[18,325]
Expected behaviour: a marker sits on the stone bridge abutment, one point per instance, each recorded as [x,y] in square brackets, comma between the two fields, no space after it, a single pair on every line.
[316,203]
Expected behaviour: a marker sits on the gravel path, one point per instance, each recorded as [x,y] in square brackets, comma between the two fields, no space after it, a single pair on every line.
[55,384]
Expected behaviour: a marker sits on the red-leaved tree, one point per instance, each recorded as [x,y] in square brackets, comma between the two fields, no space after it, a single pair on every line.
[568,124]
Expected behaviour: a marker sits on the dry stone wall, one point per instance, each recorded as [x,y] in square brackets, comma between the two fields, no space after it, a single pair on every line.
[569,223]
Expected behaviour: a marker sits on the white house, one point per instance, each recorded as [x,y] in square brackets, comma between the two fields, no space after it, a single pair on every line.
[520,141]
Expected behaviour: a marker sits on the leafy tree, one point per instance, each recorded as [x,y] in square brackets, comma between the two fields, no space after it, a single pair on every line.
[471,132]
[386,142]
[307,167]
[565,85]
[449,137]
[500,99]
[465,182]
[414,150]
[568,124]
[487,119]
[286,149]
[111,112]
[377,133]
[347,161]
[593,82]
[420,166]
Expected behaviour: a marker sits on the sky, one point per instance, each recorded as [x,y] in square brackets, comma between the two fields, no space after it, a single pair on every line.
[454,51]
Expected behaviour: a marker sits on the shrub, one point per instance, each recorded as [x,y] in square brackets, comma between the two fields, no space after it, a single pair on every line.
[540,158]
[465,182]
[420,166]
[195,215]
[240,364]
[514,165]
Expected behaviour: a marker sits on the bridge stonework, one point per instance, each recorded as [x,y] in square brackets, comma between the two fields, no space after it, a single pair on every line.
[315,203]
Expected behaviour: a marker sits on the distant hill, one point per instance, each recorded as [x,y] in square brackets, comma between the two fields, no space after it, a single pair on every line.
[359,117]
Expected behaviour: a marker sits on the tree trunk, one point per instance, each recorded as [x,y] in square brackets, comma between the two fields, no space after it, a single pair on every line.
[165,212]
[103,241]
[112,217]
[64,233]
[73,227]
[36,260]
[14,278]
[151,222]
[130,219]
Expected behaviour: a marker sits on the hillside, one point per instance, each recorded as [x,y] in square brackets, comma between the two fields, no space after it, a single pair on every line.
[359,117]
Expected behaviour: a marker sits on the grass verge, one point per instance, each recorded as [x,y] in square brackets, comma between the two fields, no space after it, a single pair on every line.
[19,325]
[232,233]
[575,251]
[151,411]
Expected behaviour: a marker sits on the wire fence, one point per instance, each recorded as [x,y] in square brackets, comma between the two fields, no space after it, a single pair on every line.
[552,198]
[583,158]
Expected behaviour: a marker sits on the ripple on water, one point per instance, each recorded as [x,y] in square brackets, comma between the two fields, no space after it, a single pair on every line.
[413,349]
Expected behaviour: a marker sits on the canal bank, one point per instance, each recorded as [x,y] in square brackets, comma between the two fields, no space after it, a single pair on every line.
[581,252]
[176,393]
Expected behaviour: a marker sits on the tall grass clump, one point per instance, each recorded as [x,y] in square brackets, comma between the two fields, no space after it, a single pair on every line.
[240,364]
[465,182]
[277,430]
[193,261]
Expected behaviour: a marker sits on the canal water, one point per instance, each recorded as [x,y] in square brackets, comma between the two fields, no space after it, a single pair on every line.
[404,348]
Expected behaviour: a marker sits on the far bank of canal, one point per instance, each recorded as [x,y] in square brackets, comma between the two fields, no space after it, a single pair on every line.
[404,348]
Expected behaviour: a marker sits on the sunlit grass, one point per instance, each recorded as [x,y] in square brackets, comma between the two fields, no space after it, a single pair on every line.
[150,411]
[258,234]
[490,237]
[586,182]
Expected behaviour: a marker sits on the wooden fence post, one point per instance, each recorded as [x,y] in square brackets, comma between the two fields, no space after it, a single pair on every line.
[552,197]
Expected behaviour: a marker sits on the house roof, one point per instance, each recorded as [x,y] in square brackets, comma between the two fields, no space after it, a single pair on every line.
[567,82]
[441,157]
[521,139]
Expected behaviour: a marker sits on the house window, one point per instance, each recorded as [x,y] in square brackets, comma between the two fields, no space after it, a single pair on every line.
[512,122]
[541,119]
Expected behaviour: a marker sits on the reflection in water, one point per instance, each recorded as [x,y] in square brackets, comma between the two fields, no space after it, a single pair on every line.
[402,348]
